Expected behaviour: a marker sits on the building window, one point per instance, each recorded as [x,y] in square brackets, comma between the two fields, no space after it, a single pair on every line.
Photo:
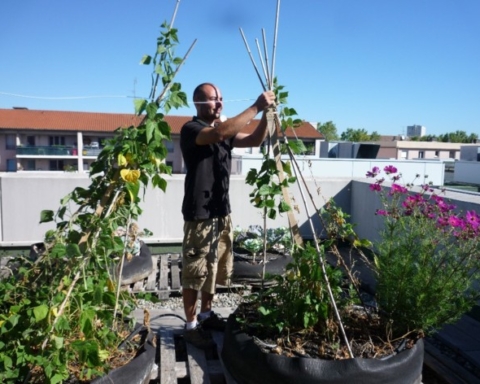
[31,165]
[56,165]
[404,154]
[10,141]
[56,140]
[421,154]
[452,154]
[11,165]
[31,141]
[437,153]
[169,145]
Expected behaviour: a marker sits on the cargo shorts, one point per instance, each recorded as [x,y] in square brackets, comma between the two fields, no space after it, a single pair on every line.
[207,254]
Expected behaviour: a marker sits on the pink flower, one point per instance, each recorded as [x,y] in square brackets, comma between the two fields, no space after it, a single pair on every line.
[374,172]
[455,221]
[398,189]
[375,187]
[390,169]
[473,219]
[381,212]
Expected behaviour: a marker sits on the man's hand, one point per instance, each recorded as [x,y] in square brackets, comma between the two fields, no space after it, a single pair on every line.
[266,99]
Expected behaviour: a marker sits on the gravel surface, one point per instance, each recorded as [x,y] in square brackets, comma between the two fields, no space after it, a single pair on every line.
[220,300]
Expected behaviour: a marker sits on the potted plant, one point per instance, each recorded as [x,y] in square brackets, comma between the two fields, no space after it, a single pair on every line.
[317,324]
[63,314]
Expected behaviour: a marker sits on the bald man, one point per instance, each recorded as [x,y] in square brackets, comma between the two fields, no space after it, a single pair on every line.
[206,144]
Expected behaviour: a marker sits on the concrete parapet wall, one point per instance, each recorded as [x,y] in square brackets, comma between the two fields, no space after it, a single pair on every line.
[24,196]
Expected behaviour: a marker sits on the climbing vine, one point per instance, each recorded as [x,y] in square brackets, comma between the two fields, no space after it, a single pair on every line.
[61,311]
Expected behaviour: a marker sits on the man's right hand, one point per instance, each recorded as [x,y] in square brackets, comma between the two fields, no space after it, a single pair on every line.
[266,99]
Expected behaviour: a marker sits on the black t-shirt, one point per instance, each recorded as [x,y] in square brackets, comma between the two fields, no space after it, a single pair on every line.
[208,175]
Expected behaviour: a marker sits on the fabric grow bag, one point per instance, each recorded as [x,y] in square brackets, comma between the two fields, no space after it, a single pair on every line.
[247,364]
[138,267]
[138,370]
[246,271]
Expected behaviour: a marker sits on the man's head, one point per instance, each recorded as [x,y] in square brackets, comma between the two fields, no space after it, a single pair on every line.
[208,101]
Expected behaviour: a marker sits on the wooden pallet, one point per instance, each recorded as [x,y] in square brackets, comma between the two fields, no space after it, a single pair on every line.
[180,360]
[165,278]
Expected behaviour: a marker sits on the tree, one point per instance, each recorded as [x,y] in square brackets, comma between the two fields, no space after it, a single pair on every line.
[357,135]
[328,130]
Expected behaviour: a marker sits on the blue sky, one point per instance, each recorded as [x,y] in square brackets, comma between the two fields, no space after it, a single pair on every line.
[380,65]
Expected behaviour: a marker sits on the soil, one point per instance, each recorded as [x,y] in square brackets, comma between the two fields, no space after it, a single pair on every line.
[365,332]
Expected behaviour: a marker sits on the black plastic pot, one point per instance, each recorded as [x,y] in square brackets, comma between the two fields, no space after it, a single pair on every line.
[138,370]
[247,364]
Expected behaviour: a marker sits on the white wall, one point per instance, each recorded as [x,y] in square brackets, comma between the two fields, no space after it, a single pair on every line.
[24,195]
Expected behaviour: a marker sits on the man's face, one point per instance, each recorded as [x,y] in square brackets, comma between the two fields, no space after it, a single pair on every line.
[210,105]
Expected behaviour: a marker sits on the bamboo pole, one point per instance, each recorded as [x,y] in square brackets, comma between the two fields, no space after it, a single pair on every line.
[269,79]
[265,73]
[272,72]
[252,60]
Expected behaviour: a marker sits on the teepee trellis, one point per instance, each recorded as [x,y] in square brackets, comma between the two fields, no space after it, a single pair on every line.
[274,125]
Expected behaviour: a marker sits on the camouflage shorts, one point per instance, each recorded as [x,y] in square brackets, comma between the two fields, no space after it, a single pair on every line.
[207,254]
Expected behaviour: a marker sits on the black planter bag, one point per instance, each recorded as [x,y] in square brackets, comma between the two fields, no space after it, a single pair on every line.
[138,370]
[249,365]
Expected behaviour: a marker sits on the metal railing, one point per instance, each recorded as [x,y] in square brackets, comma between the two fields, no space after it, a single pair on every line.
[60,150]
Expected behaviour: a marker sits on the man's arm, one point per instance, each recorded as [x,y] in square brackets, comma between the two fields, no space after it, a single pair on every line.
[254,139]
[234,125]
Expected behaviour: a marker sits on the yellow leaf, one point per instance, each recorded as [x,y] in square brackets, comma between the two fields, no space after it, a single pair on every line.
[130,175]
[103,354]
[122,161]
[110,285]
[54,311]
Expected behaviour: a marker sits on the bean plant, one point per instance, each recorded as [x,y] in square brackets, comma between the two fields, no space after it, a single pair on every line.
[61,314]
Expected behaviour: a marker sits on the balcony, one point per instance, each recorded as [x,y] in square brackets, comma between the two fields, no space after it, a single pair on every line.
[55,150]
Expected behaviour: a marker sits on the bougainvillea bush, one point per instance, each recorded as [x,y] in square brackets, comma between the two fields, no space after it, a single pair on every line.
[428,256]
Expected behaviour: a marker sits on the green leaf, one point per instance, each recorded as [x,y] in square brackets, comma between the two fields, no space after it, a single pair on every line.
[7,361]
[73,250]
[151,127]
[57,378]
[140,105]
[151,109]
[264,311]
[58,342]
[62,324]
[40,312]
[46,216]
[297,147]
[272,214]
[146,60]
[264,190]
[283,207]
[58,250]
[86,322]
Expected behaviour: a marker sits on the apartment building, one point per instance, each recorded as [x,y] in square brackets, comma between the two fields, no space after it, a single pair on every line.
[41,140]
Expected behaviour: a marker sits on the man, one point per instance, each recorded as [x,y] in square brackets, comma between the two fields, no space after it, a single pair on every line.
[206,145]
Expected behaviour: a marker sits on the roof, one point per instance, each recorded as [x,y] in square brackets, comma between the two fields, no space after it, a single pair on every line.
[44,120]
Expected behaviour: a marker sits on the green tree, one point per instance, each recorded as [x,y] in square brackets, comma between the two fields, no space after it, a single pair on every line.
[357,135]
[328,130]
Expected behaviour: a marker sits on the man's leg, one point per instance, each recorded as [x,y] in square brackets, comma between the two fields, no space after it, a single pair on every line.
[207,299]
[190,304]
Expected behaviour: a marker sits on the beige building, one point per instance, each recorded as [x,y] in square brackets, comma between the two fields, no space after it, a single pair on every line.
[39,140]
[395,148]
